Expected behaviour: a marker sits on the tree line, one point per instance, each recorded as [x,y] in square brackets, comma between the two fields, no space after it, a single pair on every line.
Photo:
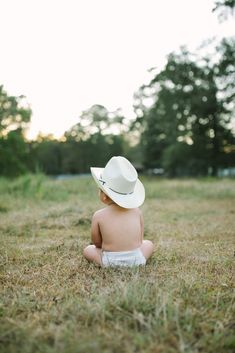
[96,137]
[184,123]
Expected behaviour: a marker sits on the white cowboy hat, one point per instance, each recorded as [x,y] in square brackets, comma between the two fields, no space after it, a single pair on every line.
[119,180]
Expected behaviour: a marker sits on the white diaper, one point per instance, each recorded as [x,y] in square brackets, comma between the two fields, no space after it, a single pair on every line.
[123,258]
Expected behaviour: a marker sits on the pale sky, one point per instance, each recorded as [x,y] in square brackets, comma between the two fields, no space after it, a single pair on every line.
[66,55]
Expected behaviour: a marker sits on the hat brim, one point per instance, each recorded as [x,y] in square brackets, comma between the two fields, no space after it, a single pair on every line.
[132,200]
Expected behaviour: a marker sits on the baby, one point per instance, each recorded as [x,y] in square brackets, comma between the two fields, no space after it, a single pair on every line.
[117,230]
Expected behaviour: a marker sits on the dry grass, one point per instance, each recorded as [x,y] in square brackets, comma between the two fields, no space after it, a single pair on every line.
[52,300]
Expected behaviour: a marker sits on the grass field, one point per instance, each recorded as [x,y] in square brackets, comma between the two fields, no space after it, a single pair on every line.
[52,300]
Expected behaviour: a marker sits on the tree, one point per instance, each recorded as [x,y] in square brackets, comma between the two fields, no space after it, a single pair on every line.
[94,139]
[97,120]
[15,113]
[187,128]
[15,116]
[14,154]
[224,7]
[46,155]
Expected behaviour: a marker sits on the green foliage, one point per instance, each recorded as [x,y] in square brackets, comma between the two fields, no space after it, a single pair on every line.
[14,154]
[33,186]
[187,128]
[96,121]
[14,118]
[97,136]
[46,155]
[14,113]
[224,7]
[72,157]
[93,140]
[172,159]
[25,186]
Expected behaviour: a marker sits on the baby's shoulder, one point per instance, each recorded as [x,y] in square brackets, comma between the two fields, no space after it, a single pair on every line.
[137,211]
[99,213]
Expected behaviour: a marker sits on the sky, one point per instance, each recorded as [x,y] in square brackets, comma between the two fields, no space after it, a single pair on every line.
[66,55]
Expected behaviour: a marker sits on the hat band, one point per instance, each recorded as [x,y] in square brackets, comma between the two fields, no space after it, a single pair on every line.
[117,192]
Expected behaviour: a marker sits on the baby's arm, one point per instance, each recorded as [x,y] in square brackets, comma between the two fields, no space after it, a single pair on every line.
[95,231]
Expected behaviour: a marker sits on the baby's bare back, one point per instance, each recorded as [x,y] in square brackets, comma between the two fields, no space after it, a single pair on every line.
[121,229]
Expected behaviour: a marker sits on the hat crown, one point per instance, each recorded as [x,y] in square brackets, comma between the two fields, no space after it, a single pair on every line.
[120,175]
